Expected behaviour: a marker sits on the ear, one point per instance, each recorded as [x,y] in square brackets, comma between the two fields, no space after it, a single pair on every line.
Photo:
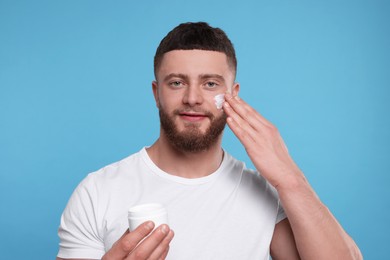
[155,93]
[235,89]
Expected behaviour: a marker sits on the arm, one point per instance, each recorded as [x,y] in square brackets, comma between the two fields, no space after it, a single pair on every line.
[283,243]
[129,246]
[317,233]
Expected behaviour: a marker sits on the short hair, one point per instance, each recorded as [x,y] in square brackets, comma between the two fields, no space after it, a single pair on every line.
[196,36]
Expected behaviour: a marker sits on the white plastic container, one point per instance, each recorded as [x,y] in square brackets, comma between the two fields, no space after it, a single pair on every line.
[141,213]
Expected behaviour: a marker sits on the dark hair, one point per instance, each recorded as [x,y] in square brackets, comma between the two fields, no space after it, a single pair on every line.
[196,36]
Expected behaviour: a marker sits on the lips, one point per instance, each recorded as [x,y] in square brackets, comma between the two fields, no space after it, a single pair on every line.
[192,116]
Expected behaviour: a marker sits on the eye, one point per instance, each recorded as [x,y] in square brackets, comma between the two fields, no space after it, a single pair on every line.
[175,84]
[211,84]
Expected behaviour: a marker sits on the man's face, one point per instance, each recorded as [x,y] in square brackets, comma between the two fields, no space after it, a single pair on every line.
[187,82]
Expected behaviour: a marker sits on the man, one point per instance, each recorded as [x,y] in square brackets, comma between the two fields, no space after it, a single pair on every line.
[217,208]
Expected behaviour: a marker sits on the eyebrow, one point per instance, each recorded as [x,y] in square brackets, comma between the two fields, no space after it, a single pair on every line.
[186,77]
[212,76]
[176,75]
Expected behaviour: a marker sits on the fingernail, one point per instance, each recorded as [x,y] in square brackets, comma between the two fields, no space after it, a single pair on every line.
[226,104]
[150,224]
[164,229]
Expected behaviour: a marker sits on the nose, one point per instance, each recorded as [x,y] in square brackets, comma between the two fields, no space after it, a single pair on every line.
[193,96]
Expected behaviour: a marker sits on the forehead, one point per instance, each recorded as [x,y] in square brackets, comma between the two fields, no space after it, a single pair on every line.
[194,63]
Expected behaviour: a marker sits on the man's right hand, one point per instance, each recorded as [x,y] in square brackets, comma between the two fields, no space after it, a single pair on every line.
[154,246]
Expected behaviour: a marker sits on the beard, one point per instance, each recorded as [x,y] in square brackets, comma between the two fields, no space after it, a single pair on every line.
[191,139]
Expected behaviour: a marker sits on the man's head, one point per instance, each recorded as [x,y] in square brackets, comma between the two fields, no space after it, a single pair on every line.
[196,36]
[193,64]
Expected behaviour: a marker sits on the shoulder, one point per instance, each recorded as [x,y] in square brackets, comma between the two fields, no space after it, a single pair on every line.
[114,171]
[252,181]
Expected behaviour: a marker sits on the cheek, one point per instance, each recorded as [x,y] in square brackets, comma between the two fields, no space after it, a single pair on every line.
[170,104]
[166,100]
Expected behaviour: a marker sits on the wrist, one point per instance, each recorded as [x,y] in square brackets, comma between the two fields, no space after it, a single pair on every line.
[294,183]
[291,178]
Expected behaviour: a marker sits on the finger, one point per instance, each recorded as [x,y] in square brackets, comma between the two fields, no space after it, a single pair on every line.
[245,111]
[243,135]
[246,118]
[147,246]
[242,107]
[162,249]
[248,123]
[164,255]
[240,127]
[129,241]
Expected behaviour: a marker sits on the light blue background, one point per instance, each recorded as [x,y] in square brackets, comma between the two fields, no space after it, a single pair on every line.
[75,95]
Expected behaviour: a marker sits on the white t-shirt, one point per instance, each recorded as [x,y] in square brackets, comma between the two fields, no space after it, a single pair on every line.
[229,214]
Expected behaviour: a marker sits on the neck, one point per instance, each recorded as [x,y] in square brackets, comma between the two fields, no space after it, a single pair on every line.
[186,164]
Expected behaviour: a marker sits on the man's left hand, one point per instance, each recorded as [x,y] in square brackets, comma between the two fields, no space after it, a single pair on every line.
[262,141]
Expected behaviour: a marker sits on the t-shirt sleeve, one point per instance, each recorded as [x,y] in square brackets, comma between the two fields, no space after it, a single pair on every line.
[281,214]
[78,231]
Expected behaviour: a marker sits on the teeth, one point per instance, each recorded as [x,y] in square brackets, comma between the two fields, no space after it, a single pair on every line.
[219,99]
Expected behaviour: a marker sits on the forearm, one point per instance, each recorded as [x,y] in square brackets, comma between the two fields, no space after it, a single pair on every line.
[317,233]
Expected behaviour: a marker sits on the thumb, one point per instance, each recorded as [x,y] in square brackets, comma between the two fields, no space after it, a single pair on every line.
[128,241]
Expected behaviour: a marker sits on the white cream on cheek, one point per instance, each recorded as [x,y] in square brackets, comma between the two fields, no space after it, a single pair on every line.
[219,99]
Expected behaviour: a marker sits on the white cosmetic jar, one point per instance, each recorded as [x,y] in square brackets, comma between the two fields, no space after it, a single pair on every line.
[147,212]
